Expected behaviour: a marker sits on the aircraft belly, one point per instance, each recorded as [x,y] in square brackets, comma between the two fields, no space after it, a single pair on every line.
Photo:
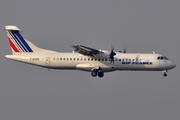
[89,67]
[62,65]
[138,67]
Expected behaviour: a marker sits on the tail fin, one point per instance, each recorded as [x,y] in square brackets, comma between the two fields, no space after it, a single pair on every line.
[19,44]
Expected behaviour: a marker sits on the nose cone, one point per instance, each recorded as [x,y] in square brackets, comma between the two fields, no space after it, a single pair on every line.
[173,65]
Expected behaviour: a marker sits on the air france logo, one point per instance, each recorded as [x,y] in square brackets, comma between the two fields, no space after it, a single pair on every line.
[138,63]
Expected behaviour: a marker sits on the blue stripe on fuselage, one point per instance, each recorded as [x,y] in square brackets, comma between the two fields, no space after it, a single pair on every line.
[139,63]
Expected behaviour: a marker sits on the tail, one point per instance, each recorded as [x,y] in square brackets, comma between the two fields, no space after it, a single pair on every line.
[19,44]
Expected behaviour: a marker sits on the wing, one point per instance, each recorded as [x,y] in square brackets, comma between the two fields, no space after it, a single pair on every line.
[86,50]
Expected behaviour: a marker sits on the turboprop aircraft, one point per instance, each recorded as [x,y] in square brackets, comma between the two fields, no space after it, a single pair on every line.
[84,58]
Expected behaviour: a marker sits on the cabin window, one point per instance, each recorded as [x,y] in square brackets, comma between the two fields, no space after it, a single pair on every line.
[116,59]
[99,59]
[60,58]
[88,59]
[84,59]
[74,59]
[64,59]
[129,60]
[70,59]
[67,59]
[95,59]
[91,59]
[119,59]
[102,59]
[105,59]
[77,59]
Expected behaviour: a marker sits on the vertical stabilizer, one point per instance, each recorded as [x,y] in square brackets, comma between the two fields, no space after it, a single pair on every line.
[19,44]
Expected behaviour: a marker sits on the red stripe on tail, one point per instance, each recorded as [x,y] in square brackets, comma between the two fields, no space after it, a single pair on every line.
[13,46]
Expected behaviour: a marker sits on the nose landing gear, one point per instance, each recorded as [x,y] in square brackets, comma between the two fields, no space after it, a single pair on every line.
[165,73]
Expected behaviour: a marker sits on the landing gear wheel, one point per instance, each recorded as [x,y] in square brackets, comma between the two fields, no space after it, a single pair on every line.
[100,74]
[94,74]
[164,74]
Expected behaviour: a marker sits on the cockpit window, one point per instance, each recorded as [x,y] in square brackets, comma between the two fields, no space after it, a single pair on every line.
[162,58]
[165,58]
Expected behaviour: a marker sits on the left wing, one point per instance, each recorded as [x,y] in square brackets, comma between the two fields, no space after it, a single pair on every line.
[86,50]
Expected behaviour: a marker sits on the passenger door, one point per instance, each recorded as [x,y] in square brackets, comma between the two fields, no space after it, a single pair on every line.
[47,61]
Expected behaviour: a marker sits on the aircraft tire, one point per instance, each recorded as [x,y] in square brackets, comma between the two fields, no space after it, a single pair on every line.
[165,74]
[100,74]
[94,74]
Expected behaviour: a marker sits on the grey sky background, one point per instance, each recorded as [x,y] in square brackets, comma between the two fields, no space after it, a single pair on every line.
[33,93]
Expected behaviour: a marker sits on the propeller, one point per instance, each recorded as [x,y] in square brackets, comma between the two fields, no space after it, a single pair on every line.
[112,54]
[125,49]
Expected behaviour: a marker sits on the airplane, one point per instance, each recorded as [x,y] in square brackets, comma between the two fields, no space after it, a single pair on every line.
[95,61]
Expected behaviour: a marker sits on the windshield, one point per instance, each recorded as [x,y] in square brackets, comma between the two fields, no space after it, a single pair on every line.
[162,58]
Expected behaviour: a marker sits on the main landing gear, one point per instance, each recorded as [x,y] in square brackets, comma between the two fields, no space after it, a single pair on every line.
[96,72]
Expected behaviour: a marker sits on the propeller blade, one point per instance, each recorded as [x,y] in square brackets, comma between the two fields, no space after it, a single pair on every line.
[112,54]
[125,49]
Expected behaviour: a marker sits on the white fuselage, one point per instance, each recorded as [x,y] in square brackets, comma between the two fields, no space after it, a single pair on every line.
[128,61]
[86,58]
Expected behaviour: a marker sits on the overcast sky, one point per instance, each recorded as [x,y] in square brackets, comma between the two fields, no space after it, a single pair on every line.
[33,93]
